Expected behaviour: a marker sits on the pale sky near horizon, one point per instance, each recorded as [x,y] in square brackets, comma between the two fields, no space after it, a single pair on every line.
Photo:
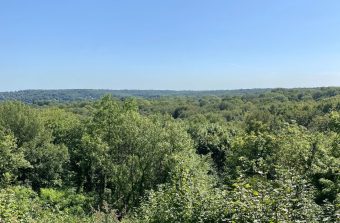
[169,44]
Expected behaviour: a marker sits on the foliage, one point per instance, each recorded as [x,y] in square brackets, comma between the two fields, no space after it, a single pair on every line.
[11,159]
[20,204]
[265,155]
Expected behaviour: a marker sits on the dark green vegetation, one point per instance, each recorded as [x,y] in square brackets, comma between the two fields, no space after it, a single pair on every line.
[247,156]
[44,96]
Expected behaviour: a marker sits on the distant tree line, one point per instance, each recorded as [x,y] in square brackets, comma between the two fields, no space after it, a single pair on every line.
[52,96]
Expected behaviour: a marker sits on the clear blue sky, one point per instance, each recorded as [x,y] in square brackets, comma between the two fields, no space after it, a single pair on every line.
[169,44]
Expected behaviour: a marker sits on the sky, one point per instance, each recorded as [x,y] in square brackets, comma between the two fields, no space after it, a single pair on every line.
[169,44]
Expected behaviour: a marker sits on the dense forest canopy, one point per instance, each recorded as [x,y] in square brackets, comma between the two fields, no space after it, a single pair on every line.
[34,96]
[262,155]
[40,96]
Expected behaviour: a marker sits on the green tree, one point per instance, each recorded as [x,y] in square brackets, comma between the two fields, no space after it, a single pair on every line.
[11,159]
[21,120]
[125,154]
[47,160]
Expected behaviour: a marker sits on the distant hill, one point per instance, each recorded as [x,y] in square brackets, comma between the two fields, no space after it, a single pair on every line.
[31,96]
[35,96]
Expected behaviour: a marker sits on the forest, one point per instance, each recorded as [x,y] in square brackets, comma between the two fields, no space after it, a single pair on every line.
[262,155]
[71,95]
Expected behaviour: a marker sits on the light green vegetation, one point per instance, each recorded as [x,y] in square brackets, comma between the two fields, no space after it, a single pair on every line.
[268,156]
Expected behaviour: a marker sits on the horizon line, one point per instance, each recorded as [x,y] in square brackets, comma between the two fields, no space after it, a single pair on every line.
[174,90]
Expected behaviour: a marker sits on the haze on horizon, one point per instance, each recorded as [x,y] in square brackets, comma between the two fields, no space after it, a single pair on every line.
[178,45]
